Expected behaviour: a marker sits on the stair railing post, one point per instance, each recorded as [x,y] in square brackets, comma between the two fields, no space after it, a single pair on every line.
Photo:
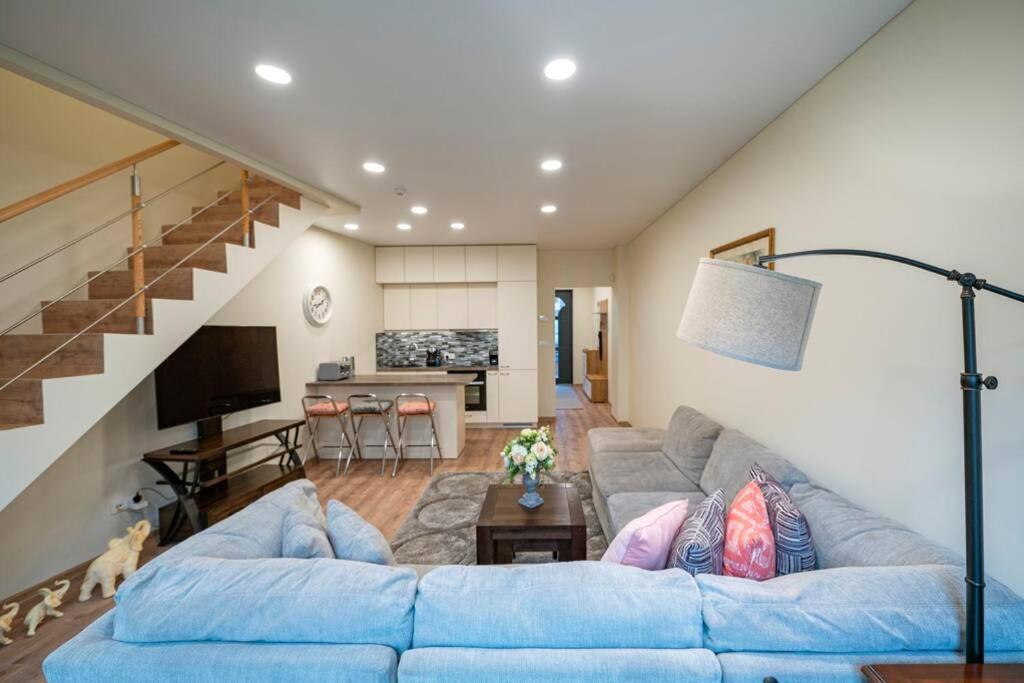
[138,265]
[245,208]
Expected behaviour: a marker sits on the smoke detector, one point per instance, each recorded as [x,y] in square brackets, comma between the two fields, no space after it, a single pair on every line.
[400,191]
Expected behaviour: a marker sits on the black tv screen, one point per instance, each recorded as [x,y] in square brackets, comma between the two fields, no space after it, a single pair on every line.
[219,370]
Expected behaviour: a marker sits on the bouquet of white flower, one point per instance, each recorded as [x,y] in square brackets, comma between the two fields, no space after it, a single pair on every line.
[529,453]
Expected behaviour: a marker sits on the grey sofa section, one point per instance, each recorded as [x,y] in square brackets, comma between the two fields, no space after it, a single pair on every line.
[625,439]
[848,536]
[625,507]
[728,467]
[689,441]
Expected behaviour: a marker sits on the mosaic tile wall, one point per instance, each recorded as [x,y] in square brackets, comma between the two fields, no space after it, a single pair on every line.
[471,347]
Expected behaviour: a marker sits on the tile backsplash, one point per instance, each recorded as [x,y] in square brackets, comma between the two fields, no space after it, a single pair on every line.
[470,347]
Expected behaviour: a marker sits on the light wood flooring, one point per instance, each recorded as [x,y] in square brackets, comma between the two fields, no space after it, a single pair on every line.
[383,501]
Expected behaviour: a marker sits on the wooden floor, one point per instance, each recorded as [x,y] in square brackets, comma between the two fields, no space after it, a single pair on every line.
[383,501]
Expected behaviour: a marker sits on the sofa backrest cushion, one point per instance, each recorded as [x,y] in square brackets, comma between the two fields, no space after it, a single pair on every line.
[268,600]
[853,609]
[728,467]
[848,536]
[689,440]
[569,605]
[304,535]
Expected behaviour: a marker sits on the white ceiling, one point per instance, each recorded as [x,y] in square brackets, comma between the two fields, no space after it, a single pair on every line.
[450,95]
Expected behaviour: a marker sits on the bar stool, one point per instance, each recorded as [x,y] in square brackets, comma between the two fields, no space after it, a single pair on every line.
[368,405]
[318,406]
[417,405]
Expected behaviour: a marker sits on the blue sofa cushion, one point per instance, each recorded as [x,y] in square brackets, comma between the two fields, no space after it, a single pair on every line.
[561,605]
[853,609]
[304,535]
[353,538]
[93,656]
[272,600]
[688,441]
[728,467]
[848,536]
[699,547]
[472,665]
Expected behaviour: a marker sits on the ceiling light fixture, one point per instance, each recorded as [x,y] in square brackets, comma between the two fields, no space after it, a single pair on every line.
[274,74]
[548,208]
[351,227]
[551,165]
[458,226]
[373,167]
[404,226]
[560,69]
[419,210]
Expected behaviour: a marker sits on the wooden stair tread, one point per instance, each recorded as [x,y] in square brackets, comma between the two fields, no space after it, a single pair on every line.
[119,284]
[84,356]
[212,257]
[71,316]
[21,404]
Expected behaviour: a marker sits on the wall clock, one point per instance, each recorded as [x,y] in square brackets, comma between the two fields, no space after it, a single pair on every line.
[317,305]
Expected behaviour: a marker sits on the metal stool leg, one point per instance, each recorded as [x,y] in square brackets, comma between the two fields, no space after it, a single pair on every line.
[435,442]
[351,447]
[398,456]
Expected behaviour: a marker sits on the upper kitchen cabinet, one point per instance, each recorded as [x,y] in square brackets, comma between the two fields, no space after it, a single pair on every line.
[423,307]
[482,306]
[452,307]
[419,264]
[397,308]
[516,263]
[449,264]
[517,325]
[390,265]
[481,264]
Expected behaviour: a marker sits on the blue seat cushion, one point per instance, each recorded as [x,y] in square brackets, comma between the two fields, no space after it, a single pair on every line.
[353,538]
[853,609]
[561,605]
[93,656]
[270,600]
[472,665]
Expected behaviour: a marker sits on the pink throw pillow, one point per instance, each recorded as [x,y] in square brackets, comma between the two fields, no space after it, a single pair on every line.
[645,542]
[749,544]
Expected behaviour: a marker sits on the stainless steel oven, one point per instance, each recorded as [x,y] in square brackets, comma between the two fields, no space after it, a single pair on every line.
[476,391]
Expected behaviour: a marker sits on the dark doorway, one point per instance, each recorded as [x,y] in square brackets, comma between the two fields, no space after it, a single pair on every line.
[563,336]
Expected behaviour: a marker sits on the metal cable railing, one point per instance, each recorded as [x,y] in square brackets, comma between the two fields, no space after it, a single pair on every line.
[141,291]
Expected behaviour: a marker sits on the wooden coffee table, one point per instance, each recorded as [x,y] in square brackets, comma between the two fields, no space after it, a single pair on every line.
[505,527]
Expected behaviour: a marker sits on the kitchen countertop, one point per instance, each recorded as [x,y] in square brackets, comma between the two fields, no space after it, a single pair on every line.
[438,368]
[411,378]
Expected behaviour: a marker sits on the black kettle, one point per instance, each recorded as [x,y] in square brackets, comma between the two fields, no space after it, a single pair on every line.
[433,357]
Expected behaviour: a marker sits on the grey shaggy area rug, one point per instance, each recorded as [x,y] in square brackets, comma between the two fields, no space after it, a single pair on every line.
[441,529]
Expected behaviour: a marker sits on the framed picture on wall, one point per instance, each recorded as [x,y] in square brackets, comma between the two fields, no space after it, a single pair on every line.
[746,249]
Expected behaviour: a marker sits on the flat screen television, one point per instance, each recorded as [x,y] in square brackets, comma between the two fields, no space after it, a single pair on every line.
[219,370]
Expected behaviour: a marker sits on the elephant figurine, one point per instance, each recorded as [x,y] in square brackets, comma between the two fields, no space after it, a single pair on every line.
[122,557]
[7,621]
[47,607]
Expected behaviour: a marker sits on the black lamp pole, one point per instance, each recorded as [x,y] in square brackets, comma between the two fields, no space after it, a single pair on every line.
[971,384]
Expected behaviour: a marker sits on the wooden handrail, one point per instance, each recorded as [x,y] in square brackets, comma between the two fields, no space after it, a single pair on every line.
[68,186]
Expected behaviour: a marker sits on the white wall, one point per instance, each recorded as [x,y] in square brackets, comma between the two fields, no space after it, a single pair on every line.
[583,336]
[913,146]
[64,517]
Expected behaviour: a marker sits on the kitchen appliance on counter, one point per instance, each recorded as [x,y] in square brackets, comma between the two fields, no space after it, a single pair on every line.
[336,370]
[433,357]
[492,356]
[476,391]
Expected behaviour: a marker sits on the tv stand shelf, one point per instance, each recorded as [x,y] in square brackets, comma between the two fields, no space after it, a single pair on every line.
[206,490]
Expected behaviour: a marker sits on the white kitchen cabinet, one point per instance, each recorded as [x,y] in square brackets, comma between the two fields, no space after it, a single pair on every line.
[493,396]
[481,264]
[517,325]
[396,307]
[515,263]
[390,262]
[419,264]
[518,390]
[482,305]
[423,307]
[449,264]
[452,307]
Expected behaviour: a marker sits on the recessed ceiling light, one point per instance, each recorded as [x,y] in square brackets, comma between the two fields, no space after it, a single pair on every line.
[274,74]
[560,69]
[458,226]
[373,167]
[352,226]
[548,208]
[551,165]
[419,210]
[404,226]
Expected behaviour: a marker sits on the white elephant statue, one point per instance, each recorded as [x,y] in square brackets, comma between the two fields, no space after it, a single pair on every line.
[47,607]
[7,621]
[122,557]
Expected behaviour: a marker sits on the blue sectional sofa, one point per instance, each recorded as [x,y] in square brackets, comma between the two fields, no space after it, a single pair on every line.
[225,606]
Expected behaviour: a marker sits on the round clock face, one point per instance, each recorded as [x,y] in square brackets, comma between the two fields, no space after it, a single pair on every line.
[317,305]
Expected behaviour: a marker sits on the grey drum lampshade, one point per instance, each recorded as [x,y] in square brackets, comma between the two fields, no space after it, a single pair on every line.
[749,313]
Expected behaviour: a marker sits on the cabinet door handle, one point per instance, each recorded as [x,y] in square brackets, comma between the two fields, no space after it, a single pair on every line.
[505,374]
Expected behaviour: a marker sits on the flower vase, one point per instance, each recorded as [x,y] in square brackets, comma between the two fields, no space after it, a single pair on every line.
[531,498]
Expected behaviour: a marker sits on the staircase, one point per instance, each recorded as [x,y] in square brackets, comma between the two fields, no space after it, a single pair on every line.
[52,405]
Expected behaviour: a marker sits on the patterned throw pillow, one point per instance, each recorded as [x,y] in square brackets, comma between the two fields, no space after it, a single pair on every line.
[699,545]
[749,544]
[794,547]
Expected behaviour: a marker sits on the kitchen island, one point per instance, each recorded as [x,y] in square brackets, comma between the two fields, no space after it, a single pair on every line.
[450,416]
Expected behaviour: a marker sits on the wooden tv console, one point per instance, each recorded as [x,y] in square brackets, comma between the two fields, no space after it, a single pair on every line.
[206,491]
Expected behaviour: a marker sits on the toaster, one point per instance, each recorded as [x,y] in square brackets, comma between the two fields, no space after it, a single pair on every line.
[336,370]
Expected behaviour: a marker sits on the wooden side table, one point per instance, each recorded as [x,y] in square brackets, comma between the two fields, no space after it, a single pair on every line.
[505,527]
[938,673]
